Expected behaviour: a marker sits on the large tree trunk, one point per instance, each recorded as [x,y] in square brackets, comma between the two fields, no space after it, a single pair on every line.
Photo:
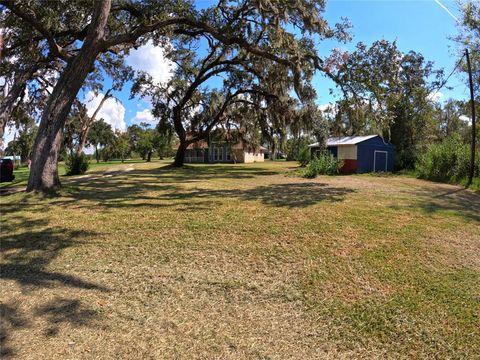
[180,155]
[96,154]
[273,150]
[44,170]
[88,122]
[182,136]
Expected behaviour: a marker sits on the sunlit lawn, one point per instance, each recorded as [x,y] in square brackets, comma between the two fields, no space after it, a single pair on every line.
[21,173]
[240,261]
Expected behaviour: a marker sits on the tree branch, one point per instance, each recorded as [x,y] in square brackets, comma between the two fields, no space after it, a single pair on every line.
[37,25]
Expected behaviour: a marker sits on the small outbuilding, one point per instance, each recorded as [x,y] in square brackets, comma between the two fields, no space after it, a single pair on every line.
[361,154]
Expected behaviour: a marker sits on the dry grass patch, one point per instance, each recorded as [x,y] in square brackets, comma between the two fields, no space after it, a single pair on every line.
[240,261]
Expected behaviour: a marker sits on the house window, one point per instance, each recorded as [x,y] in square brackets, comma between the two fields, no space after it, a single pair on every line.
[217,154]
[228,156]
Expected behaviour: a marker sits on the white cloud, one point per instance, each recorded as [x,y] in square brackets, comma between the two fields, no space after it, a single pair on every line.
[326,107]
[112,111]
[151,59]
[435,96]
[144,116]
[466,119]
[8,135]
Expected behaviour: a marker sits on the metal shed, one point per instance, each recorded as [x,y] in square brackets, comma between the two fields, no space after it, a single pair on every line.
[361,154]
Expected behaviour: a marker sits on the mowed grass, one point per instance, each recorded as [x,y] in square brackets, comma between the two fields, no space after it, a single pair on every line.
[21,173]
[241,262]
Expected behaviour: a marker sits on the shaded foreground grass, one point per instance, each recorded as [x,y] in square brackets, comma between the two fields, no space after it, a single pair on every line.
[241,261]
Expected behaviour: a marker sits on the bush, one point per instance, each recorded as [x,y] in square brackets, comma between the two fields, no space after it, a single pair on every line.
[77,164]
[325,164]
[475,185]
[406,158]
[446,161]
[304,156]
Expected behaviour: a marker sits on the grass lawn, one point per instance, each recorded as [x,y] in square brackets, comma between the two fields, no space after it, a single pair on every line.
[21,173]
[240,261]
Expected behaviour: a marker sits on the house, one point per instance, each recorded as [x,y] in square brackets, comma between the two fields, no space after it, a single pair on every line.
[361,154]
[223,152]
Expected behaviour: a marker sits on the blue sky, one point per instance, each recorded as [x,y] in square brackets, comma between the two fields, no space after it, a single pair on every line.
[422,26]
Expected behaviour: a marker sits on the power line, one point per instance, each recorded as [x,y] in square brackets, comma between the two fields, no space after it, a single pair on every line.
[448,77]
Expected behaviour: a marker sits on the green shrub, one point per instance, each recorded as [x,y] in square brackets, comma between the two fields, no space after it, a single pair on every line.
[325,164]
[77,164]
[475,185]
[446,161]
[304,156]
[295,145]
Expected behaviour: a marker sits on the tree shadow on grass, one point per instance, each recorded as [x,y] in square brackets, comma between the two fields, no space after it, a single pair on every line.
[10,319]
[120,192]
[154,187]
[290,195]
[459,201]
[64,310]
[296,195]
[206,172]
[25,257]
[188,173]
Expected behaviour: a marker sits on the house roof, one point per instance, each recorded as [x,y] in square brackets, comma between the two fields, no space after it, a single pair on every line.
[203,145]
[346,140]
[244,145]
[200,144]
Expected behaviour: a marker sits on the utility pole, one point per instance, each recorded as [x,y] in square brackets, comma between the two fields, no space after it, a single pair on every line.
[474,130]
